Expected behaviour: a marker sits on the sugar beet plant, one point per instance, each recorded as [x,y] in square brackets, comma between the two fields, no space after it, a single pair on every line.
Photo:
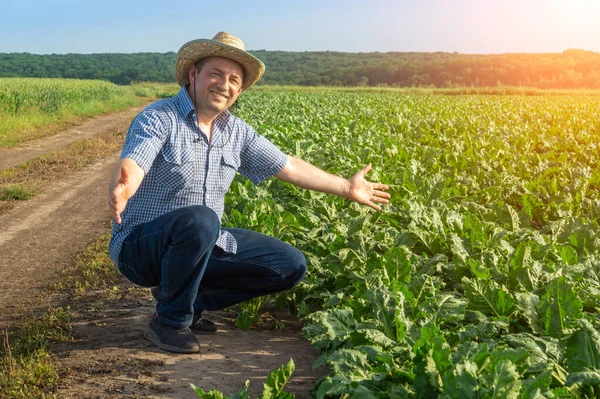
[480,279]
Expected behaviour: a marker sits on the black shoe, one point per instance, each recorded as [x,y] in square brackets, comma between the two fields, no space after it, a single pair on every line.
[199,325]
[202,326]
[172,339]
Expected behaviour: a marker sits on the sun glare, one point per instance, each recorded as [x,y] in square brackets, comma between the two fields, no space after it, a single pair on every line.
[581,12]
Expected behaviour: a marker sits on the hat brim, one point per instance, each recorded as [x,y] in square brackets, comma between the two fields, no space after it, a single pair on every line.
[193,51]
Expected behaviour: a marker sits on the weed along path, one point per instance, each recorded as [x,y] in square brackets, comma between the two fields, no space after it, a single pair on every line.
[108,355]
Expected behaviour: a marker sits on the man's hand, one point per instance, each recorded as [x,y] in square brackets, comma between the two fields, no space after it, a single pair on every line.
[118,197]
[124,183]
[365,192]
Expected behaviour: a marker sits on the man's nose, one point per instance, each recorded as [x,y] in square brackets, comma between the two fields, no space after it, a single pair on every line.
[224,83]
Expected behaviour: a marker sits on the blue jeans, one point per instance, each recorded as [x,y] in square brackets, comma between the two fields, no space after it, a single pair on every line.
[177,252]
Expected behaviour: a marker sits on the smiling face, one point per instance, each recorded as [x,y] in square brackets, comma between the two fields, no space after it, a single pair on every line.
[215,86]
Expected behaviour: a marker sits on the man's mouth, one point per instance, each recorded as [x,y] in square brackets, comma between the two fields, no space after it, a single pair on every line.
[219,95]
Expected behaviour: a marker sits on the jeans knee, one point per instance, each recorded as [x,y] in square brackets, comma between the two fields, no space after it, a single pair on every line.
[298,266]
[197,222]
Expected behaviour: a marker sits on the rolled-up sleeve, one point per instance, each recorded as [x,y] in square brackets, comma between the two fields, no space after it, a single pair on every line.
[145,138]
[259,158]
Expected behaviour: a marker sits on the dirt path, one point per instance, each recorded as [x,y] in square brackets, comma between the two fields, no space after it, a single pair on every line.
[40,236]
[109,358]
[92,127]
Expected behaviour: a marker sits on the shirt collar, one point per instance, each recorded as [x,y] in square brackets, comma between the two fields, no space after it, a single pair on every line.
[184,102]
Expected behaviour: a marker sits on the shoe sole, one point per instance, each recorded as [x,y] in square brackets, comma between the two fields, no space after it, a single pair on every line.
[151,335]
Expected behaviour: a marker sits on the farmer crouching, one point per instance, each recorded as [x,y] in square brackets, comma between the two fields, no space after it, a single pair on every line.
[167,197]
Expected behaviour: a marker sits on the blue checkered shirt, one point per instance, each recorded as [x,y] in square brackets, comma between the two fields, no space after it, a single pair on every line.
[182,168]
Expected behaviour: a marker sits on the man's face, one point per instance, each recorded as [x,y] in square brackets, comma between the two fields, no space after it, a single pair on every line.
[216,86]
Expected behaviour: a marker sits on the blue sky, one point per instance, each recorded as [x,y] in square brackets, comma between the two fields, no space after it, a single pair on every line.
[465,26]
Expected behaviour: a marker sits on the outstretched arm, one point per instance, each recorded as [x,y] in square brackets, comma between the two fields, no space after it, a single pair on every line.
[305,175]
[125,181]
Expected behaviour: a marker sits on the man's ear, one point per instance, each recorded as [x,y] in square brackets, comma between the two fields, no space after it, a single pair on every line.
[192,73]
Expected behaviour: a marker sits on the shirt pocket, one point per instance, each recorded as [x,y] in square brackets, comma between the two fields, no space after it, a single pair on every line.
[177,170]
[178,155]
[227,170]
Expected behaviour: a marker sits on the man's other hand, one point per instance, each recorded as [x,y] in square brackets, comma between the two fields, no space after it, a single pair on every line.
[365,192]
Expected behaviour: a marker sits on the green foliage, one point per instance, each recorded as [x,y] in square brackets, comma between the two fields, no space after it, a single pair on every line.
[36,334]
[272,388]
[122,69]
[569,69]
[479,279]
[276,380]
[559,305]
[583,349]
[27,369]
[16,192]
[51,95]
[93,269]
[250,312]
[31,108]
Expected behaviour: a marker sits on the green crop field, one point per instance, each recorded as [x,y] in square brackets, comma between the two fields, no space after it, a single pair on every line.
[50,95]
[31,108]
[480,279]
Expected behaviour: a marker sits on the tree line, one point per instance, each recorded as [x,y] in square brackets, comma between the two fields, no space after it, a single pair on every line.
[570,69]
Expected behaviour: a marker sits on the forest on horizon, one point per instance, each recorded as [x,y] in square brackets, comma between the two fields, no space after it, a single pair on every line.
[571,69]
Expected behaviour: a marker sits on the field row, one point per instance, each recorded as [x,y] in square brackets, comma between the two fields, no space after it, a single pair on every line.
[480,279]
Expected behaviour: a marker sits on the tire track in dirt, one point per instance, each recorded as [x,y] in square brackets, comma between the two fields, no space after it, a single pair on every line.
[40,236]
[38,214]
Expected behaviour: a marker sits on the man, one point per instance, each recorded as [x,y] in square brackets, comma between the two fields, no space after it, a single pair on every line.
[167,197]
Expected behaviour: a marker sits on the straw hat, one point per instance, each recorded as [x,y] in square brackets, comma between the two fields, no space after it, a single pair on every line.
[222,44]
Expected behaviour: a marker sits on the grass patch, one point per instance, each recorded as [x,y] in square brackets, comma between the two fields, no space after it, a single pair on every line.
[16,192]
[27,369]
[155,90]
[93,269]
